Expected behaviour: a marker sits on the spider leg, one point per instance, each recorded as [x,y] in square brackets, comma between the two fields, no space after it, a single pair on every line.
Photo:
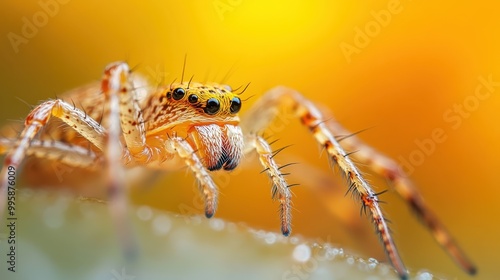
[389,169]
[117,86]
[36,120]
[207,186]
[259,116]
[71,155]
[124,119]
[280,187]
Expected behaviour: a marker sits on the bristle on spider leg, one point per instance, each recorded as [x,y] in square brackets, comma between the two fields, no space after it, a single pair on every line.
[274,141]
[279,150]
[286,165]
[340,138]
[279,188]
[358,187]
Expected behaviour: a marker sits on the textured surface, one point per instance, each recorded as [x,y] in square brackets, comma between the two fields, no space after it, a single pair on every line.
[59,237]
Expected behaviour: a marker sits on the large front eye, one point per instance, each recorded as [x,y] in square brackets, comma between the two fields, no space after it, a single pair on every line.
[178,93]
[213,106]
[235,105]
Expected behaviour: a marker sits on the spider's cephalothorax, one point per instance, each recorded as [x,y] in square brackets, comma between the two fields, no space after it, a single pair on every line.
[123,123]
[206,114]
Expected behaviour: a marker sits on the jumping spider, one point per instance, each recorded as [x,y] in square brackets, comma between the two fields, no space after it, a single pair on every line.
[198,124]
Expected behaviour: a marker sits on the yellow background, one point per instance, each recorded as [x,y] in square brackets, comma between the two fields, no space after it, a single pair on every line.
[427,58]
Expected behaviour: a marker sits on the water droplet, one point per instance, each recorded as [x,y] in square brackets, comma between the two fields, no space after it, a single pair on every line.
[217,224]
[424,275]
[329,253]
[350,260]
[270,238]
[372,263]
[161,225]
[294,240]
[302,253]
[334,252]
[144,213]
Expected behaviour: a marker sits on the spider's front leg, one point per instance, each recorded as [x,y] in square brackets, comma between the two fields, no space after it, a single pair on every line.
[264,111]
[124,118]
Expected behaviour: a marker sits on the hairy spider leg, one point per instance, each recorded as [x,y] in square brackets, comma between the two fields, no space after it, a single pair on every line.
[34,122]
[389,169]
[280,188]
[117,89]
[68,154]
[265,110]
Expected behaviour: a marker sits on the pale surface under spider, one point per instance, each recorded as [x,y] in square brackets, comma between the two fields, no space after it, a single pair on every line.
[121,123]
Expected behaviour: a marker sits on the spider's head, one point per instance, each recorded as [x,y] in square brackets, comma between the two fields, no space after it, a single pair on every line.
[208,115]
[209,101]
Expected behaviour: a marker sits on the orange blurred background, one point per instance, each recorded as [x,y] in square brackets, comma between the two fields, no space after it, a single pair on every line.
[400,68]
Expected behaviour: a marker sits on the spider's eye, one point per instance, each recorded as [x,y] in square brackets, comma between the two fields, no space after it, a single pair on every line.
[235,105]
[213,106]
[193,98]
[178,93]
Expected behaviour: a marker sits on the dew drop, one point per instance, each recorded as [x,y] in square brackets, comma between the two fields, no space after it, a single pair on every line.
[217,224]
[302,253]
[161,225]
[270,238]
[372,263]
[424,275]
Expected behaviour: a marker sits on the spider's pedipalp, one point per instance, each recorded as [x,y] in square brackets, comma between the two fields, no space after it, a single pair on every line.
[207,186]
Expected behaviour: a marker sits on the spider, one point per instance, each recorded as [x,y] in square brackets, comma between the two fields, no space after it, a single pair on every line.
[197,125]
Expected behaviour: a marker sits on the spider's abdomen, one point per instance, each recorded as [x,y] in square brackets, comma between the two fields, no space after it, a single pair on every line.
[219,146]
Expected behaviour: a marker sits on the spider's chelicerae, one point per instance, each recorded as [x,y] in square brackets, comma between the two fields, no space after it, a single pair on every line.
[128,124]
